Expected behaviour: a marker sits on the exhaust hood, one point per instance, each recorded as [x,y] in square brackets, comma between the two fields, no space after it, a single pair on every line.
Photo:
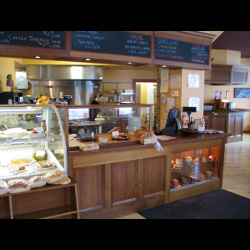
[81,82]
[64,72]
[226,75]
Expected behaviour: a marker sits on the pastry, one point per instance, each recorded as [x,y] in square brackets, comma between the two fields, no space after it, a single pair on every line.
[22,167]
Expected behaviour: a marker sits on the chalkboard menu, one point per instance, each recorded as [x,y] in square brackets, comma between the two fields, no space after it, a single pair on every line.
[42,39]
[174,50]
[113,42]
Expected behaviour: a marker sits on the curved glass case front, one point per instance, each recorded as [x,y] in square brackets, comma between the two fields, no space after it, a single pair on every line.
[32,141]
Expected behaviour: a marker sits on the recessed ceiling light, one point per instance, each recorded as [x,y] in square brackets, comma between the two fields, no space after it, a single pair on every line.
[129,62]
[37,57]
[164,66]
[87,59]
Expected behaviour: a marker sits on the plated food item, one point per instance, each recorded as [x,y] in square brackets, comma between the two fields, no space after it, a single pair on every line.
[17,168]
[43,165]
[18,185]
[37,181]
[120,137]
[20,161]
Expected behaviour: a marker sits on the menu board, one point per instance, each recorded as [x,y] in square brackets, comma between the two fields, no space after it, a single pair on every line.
[42,39]
[113,42]
[168,49]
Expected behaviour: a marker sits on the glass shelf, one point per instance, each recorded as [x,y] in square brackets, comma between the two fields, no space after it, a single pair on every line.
[194,166]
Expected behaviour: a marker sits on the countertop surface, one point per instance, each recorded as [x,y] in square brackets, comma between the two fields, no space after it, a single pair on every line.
[226,111]
[134,142]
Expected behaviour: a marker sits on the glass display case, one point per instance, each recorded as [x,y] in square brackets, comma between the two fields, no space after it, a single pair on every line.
[194,166]
[32,141]
[102,119]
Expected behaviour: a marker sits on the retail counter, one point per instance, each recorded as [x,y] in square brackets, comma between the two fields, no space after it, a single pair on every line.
[229,121]
[124,177]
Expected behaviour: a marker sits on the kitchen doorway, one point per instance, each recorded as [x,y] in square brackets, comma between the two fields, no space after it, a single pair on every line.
[146,93]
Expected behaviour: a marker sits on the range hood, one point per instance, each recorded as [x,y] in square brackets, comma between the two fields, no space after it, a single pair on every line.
[226,75]
[64,72]
[81,82]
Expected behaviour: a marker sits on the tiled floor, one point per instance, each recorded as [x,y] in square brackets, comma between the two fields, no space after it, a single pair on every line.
[236,170]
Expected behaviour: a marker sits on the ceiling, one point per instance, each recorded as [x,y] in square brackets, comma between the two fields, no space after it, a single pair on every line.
[234,40]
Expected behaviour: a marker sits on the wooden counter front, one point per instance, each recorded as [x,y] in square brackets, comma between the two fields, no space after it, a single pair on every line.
[125,177]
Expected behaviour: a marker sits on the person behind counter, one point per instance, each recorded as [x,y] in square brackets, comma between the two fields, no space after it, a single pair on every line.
[97,101]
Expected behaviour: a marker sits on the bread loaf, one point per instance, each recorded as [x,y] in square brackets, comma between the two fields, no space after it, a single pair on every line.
[53,176]
[37,181]
[63,181]
[148,138]
[89,146]
[18,185]
[3,187]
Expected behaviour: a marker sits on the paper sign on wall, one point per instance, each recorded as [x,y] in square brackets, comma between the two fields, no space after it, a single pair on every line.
[193,81]
[164,74]
[194,102]
[175,81]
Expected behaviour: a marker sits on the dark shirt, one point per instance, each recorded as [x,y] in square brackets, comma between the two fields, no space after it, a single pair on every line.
[94,111]
[95,102]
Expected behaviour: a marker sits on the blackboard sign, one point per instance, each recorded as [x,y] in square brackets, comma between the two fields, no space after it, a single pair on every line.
[42,39]
[174,50]
[113,42]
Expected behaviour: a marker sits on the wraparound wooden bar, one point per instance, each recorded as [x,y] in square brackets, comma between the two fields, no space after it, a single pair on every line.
[120,179]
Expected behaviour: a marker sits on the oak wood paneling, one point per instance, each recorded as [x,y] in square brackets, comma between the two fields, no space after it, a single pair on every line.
[124,182]
[91,189]
[154,176]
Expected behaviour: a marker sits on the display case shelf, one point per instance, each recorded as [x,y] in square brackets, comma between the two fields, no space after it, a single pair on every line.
[51,201]
[31,132]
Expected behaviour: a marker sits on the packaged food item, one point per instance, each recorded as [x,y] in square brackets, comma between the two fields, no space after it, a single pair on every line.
[63,181]
[53,176]
[43,164]
[18,185]
[3,187]
[89,146]
[37,181]
[148,138]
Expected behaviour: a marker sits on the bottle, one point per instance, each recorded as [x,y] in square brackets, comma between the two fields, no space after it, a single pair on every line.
[203,124]
[43,124]
[191,123]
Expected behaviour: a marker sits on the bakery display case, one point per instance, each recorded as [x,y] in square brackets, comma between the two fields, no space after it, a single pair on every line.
[32,141]
[194,166]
